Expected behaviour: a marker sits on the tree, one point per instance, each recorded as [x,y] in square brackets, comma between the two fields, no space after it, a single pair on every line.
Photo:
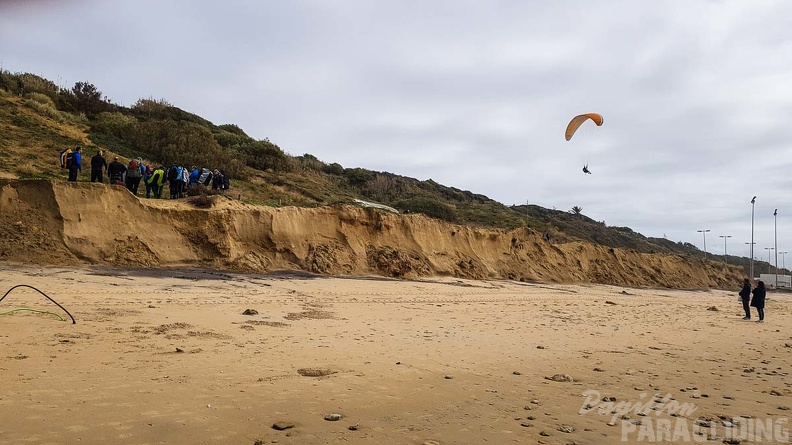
[576,210]
[86,98]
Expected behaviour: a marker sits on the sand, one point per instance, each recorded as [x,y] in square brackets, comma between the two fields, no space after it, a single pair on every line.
[167,356]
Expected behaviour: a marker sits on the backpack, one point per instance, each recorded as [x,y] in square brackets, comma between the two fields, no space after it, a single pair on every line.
[69,159]
[134,169]
[173,173]
[64,155]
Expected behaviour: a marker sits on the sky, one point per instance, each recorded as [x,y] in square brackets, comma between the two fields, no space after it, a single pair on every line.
[696,95]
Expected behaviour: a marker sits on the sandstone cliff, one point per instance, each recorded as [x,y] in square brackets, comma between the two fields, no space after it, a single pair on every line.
[78,223]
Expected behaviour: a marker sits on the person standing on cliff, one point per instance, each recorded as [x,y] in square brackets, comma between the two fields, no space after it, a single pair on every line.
[75,165]
[758,300]
[745,296]
[98,166]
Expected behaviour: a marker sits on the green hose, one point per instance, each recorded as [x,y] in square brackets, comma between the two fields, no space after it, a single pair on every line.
[31,310]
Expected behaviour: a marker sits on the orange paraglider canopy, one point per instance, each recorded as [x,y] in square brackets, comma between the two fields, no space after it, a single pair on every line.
[577,121]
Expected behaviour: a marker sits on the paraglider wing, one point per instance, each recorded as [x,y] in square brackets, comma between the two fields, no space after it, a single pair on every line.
[577,121]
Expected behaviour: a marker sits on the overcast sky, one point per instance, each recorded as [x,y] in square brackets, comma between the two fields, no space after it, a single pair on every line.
[696,95]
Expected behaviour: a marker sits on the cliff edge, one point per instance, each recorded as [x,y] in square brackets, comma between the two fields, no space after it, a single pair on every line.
[55,223]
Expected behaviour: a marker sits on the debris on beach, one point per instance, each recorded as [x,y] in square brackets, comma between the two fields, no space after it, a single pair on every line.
[332,417]
[282,425]
[560,378]
[315,372]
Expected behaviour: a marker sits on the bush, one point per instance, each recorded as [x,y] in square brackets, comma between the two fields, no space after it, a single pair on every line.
[334,169]
[201,201]
[42,99]
[358,176]
[117,125]
[428,206]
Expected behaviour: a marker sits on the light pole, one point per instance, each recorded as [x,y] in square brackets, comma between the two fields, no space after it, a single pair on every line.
[769,249]
[704,232]
[753,205]
[775,244]
[725,257]
[783,261]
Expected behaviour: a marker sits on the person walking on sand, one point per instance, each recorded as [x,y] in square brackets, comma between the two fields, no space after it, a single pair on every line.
[758,300]
[745,296]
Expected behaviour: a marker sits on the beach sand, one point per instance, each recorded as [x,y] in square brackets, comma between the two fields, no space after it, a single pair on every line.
[167,356]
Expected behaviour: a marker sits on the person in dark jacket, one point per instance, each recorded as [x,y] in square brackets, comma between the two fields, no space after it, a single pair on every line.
[98,166]
[758,300]
[116,172]
[75,165]
[745,296]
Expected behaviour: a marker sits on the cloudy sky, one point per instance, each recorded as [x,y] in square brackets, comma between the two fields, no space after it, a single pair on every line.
[696,95]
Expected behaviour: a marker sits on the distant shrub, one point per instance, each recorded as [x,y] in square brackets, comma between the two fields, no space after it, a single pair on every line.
[231,128]
[44,106]
[42,99]
[358,176]
[118,125]
[201,201]
[263,155]
[151,106]
[427,206]
[334,169]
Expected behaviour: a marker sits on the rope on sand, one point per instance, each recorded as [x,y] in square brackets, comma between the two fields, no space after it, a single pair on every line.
[42,293]
[32,310]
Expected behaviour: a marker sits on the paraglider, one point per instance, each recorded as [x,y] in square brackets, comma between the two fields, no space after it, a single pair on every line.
[577,121]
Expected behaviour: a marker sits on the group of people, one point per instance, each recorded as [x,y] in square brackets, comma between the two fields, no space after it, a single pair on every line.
[758,300]
[178,177]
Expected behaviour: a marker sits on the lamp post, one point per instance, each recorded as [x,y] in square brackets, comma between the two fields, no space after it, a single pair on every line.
[725,256]
[753,205]
[783,260]
[704,232]
[769,249]
[775,244]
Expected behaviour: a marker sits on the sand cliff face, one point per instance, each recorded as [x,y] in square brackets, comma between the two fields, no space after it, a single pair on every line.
[63,223]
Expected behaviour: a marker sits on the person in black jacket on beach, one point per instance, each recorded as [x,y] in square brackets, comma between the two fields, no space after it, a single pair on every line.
[745,295]
[758,300]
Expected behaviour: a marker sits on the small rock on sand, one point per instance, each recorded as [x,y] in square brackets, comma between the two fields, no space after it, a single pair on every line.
[448,377]
[560,378]
[610,302]
[332,417]
[281,425]
[250,312]
[566,429]
[712,308]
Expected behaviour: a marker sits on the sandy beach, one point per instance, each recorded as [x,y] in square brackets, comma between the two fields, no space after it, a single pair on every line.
[167,356]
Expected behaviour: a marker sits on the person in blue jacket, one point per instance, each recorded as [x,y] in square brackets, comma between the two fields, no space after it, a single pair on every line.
[194,174]
[75,165]
[745,295]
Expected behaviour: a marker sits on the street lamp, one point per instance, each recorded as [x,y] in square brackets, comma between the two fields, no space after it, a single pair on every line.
[769,249]
[783,261]
[753,205]
[704,232]
[725,257]
[775,242]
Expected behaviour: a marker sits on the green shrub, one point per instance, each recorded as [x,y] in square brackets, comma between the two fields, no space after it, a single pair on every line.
[42,99]
[427,206]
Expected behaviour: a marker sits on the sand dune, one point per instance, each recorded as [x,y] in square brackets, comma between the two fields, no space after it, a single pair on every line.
[167,356]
